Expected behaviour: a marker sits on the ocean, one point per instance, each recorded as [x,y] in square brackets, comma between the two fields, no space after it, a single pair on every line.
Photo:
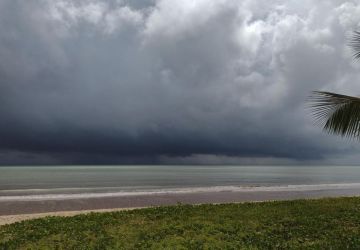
[61,182]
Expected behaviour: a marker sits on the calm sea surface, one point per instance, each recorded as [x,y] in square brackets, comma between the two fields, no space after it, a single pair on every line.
[95,179]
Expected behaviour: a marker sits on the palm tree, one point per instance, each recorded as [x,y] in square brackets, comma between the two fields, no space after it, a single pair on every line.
[336,113]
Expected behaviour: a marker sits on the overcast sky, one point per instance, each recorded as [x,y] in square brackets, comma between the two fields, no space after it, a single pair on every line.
[163,81]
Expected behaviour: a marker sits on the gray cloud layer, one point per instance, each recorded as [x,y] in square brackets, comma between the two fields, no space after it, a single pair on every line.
[171,81]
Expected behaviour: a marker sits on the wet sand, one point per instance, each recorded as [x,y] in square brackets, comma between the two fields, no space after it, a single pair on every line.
[12,211]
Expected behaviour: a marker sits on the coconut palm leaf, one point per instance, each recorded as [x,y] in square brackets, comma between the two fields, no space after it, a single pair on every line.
[354,43]
[338,114]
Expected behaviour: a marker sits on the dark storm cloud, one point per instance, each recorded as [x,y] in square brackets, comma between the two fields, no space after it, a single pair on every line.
[162,81]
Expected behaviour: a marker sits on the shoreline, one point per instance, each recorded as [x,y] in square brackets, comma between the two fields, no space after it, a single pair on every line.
[18,210]
[61,194]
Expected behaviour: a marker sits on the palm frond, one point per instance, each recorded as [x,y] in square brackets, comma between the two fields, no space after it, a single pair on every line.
[337,114]
[354,43]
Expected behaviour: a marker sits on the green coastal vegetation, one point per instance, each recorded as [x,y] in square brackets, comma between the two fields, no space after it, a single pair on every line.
[301,224]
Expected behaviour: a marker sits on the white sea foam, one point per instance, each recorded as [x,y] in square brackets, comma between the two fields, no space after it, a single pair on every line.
[188,190]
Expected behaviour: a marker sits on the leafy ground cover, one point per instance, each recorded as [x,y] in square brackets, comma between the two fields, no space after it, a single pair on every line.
[301,224]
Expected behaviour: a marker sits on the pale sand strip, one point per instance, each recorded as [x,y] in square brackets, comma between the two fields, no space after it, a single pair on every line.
[8,219]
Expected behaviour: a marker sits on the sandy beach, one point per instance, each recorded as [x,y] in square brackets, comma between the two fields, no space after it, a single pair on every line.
[9,219]
[17,210]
